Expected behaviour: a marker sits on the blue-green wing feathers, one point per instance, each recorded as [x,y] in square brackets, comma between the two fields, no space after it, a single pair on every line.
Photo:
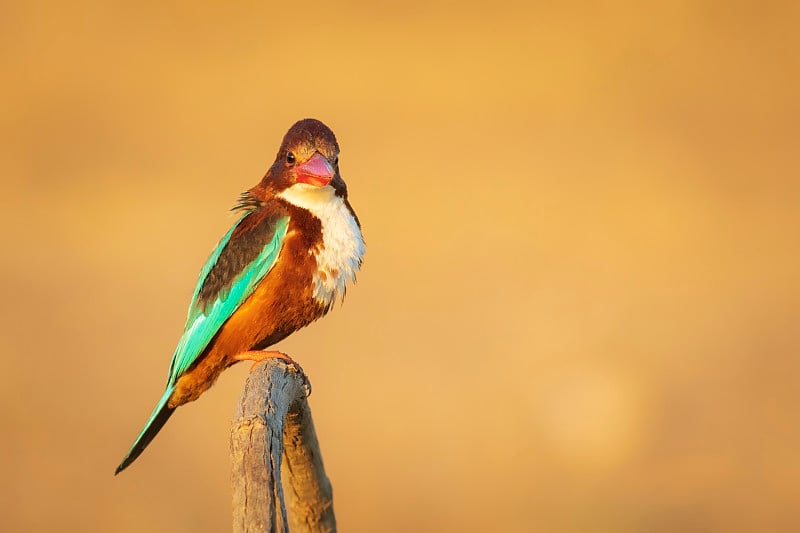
[227,279]
[243,257]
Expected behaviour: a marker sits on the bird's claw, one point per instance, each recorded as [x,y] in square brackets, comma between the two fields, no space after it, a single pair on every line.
[259,356]
[295,366]
[299,369]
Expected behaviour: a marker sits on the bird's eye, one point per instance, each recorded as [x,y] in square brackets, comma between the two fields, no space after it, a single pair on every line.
[290,158]
[336,161]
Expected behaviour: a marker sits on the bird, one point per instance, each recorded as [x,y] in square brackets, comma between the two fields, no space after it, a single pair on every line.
[289,257]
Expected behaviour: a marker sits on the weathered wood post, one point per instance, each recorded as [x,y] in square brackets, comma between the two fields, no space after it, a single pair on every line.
[279,482]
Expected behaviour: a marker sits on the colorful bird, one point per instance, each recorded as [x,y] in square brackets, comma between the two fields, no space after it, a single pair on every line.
[281,266]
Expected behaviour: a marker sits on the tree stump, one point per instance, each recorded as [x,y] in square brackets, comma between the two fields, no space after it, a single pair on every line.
[279,482]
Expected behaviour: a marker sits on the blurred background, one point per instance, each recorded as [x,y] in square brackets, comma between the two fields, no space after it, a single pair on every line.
[579,306]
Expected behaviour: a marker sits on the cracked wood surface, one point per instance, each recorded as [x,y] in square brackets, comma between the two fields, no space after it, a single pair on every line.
[279,482]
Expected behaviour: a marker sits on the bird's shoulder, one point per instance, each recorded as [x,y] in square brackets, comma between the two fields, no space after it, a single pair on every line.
[255,230]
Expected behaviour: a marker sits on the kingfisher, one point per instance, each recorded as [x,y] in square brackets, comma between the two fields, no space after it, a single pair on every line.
[283,264]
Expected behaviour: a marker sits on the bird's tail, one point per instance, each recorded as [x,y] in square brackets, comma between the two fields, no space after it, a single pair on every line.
[160,415]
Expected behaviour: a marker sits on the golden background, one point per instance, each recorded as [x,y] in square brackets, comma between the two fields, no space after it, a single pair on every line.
[579,305]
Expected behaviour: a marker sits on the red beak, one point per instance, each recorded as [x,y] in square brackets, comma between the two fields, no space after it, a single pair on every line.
[316,171]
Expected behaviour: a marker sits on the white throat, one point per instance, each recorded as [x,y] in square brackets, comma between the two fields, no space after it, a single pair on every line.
[339,257]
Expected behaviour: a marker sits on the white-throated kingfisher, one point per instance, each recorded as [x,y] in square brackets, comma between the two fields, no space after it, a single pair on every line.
[281,266]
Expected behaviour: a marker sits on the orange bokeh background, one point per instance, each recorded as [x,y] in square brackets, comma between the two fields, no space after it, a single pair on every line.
[579,307]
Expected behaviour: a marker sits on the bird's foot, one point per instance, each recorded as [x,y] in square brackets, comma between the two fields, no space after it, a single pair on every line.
[258,356]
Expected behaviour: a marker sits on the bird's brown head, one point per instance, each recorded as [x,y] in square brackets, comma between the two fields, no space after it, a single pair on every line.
[309,154]
[307,163]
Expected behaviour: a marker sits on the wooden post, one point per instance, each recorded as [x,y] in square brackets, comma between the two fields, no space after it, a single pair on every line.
[279,482]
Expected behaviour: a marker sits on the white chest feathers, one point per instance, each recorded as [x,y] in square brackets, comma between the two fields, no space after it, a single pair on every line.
[339,257]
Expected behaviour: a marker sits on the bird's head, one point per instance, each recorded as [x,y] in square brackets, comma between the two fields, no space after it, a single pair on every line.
[305,171]
[307,160]
[309,153]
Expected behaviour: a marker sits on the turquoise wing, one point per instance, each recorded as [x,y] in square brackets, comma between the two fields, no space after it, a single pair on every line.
[207,315]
